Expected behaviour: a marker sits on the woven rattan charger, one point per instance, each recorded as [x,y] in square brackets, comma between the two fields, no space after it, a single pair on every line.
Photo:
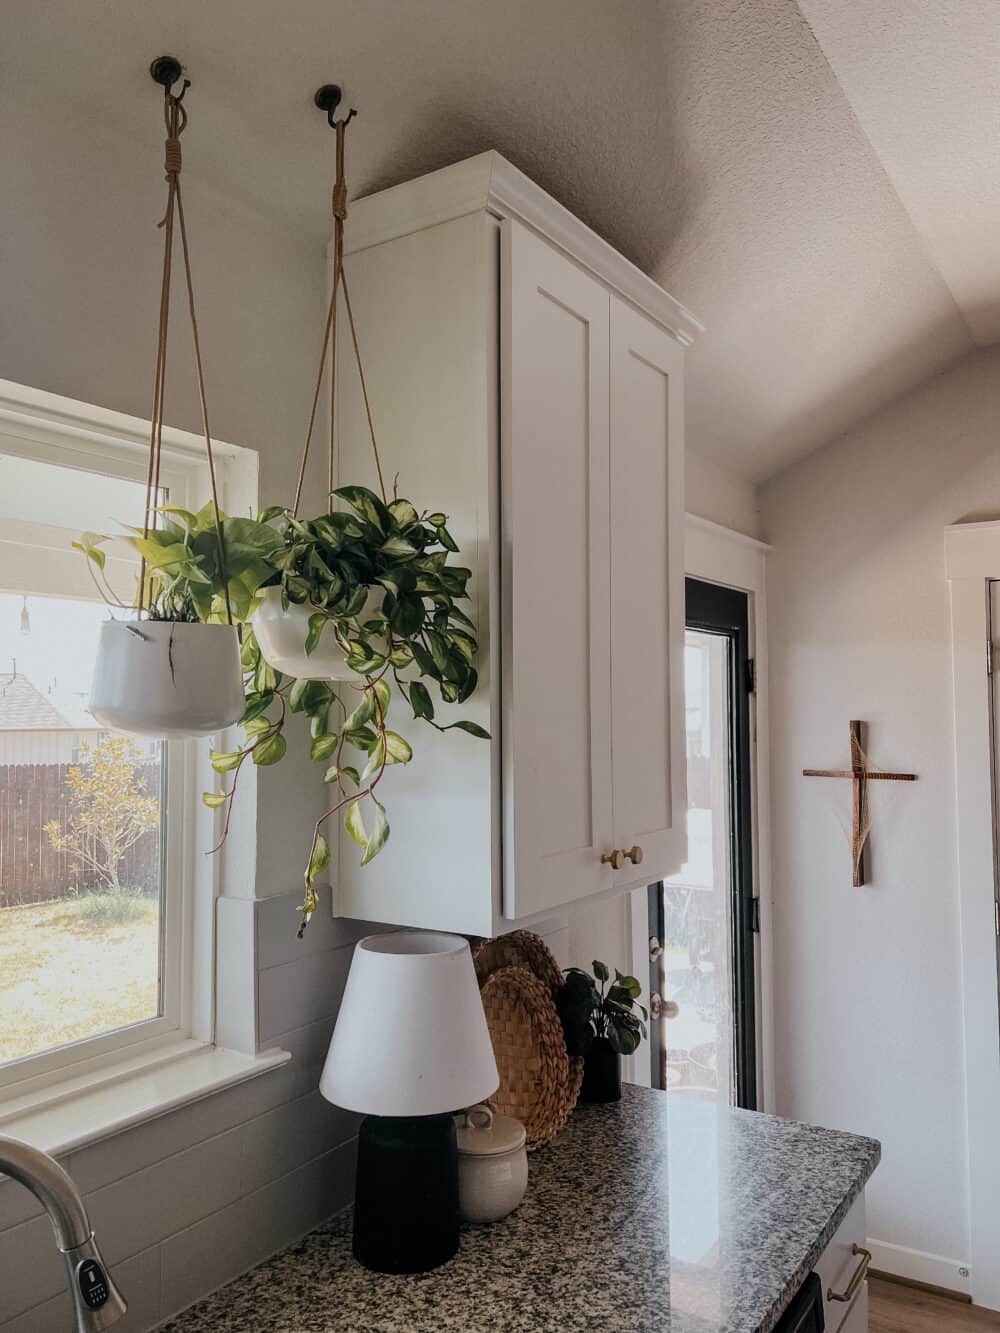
[539,1084]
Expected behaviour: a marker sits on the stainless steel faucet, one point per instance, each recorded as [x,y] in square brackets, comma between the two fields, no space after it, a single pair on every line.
[97,1302]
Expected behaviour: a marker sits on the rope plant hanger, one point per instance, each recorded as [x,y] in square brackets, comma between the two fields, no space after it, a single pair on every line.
[361,594]
[173,673]
[167,71]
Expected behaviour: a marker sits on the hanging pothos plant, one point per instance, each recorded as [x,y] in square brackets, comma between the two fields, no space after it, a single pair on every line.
[416,631]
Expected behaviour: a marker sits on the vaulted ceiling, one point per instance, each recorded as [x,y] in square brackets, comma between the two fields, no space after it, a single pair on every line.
[819,182]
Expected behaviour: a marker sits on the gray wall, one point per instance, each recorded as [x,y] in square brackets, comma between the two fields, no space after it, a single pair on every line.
[868,983]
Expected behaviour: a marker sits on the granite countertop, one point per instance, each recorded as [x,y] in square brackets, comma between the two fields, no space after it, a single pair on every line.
[662,1212]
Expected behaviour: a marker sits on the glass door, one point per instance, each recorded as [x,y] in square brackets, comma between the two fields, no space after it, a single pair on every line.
[704,916]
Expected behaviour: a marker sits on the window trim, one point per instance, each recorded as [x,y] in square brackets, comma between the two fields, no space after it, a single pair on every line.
[39,425]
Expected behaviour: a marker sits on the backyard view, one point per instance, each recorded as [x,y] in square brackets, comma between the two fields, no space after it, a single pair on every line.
[697,899]
[79,841]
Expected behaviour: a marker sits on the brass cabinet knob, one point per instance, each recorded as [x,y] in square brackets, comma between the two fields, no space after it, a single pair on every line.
[615,859]
[634,854]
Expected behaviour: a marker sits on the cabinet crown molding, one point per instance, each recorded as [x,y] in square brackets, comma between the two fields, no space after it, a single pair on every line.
[489,183]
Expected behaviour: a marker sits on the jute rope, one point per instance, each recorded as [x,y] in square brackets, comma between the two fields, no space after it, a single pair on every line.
[339,207]
[175,118]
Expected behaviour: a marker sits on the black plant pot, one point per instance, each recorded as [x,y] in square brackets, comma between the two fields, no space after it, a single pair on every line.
[602,1073]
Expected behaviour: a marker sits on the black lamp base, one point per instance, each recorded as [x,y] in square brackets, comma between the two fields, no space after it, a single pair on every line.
[406,1198]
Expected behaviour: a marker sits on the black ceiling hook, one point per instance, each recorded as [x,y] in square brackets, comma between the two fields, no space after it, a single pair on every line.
[328,98]
[166,70]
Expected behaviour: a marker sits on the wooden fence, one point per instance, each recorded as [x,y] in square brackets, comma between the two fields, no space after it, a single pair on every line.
[31,869]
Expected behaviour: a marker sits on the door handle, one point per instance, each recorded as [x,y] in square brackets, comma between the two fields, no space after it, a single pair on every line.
[661,1008]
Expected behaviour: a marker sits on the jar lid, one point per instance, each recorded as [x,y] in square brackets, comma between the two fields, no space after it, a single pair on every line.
[484,1133]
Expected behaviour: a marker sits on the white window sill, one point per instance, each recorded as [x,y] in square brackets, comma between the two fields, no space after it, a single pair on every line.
[80,1110]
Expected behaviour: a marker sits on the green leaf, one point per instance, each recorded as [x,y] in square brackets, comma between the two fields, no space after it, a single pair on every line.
[398,750]
[473,728]
[408,615]
[319,722]
[365,663]
[272,511]
[404,513]
[465,644]
[88,545]
[158,556]
[334,774]
[322,747]
[399,548]
[223,762]
[354,823]
[317,623]
[437,520]
[383,695]
[420,701]
[364,712]
[257,726]
[362,737]
[270,750]
[401,656]
[601,971]
[446,539]
[367,504]
[423,660]
[379,833]
[255,705]
[214,799]
[374,760]
[307,696]
[249,650]
[320,858]
[461,618]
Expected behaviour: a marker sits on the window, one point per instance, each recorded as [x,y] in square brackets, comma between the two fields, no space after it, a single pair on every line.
[97,862]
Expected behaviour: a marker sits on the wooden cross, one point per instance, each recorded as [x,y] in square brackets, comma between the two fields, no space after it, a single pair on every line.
[860,774]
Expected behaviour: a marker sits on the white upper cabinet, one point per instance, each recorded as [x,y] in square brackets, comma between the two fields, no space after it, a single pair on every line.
[527,380]
[647,602]
[555,577]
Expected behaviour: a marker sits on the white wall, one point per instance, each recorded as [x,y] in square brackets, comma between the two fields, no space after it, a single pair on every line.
[721,495]
[189,1200]
[868,1017]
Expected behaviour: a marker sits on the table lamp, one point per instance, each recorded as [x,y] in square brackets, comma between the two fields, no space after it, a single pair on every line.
[410,1047]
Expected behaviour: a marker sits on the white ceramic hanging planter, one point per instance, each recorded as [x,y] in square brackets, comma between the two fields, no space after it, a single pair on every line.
[167,679]
[281,634]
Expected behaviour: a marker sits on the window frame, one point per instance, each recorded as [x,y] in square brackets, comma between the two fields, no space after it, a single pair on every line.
[51,429]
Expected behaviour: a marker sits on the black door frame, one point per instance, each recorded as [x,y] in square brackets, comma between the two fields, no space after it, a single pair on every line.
[715,609]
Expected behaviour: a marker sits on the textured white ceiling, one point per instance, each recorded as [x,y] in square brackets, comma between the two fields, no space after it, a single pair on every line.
[922,78]
[825,210]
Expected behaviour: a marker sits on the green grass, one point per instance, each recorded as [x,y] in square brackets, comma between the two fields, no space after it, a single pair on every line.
[110,909]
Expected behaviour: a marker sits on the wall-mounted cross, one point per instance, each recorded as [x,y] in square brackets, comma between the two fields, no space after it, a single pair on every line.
[860,774]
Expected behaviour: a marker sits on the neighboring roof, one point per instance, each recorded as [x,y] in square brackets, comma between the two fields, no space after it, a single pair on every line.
[25,708]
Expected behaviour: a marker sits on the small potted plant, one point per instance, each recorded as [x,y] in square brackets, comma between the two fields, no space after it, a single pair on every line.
[174,670]
[601,1026]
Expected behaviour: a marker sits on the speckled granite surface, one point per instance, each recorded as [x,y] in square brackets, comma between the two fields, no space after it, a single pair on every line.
[661,1213]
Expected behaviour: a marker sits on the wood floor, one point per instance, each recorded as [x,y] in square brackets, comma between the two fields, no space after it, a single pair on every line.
[897,1309]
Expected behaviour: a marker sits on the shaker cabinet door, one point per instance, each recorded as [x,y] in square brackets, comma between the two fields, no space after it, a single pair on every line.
[647,596]
[555,577]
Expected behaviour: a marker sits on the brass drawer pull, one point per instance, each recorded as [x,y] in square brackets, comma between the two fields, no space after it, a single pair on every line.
[856,1280]
[615,859]
[634,854]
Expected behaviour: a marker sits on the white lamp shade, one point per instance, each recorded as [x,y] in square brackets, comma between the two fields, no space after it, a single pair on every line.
[411,1036]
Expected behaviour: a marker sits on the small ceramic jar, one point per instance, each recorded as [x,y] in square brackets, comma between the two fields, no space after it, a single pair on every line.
[492,1164]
